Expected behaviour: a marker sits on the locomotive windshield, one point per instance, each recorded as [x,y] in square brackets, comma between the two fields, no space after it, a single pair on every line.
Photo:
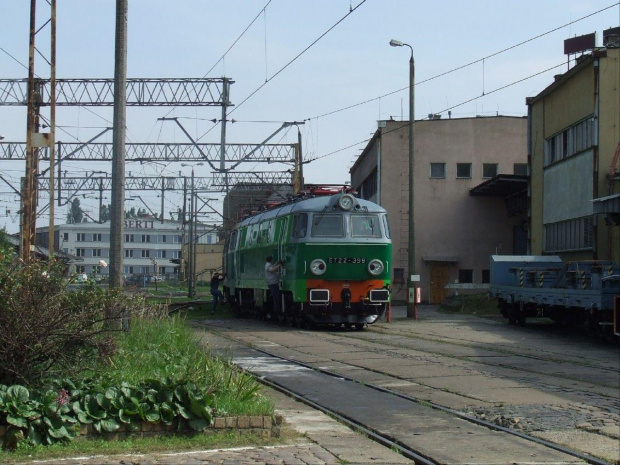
[328,225]
[365,226]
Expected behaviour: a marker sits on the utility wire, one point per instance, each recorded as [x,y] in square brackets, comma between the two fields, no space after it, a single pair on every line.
[229,49]
[351,10]
[298,55]
[466,65]
[238,38]
[442,111]
[16,60]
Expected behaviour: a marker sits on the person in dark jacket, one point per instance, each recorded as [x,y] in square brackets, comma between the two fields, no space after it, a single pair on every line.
[215,291]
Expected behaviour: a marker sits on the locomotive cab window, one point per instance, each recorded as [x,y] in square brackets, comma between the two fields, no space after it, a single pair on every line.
[232,243]
[386,226]
[300,225]
[327,225]
[365,226]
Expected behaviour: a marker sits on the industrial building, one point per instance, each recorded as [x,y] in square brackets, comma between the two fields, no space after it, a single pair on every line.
[470,175]
[573,147]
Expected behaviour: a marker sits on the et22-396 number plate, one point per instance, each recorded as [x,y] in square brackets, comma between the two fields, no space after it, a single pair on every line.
[346,260]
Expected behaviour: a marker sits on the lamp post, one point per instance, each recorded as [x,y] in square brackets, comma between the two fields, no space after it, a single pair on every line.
[412,311]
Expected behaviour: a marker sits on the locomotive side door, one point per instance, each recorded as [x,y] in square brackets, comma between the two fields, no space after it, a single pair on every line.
[281,239]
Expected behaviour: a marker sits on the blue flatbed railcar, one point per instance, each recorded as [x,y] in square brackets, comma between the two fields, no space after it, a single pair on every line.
[579,292]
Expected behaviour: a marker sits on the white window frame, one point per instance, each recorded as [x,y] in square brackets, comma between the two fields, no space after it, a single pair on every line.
[468,165]
[437,165]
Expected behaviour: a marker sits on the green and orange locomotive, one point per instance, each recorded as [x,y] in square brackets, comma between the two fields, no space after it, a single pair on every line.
[335,251]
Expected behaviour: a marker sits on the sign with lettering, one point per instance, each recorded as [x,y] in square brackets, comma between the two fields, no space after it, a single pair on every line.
[139,224]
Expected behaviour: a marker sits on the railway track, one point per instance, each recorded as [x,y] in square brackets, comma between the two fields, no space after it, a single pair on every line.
[387,440]
[368,358]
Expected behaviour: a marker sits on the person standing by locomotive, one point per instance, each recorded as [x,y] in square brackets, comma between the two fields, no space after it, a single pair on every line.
[273,281]
[215,291]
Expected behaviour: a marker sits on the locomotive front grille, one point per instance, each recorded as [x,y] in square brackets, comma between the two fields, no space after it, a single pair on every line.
[379,295]
[319,296]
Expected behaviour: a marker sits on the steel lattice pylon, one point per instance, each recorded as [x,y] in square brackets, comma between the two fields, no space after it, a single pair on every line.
[100,92]
[150,152]
[216,183]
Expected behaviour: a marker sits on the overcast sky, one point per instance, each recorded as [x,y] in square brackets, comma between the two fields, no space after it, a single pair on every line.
[455,43]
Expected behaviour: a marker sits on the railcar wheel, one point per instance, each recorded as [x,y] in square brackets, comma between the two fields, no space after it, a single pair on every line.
[521,314]
[359,326]
[513,313]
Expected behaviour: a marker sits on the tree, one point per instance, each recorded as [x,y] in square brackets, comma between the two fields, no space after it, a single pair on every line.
[76,214]
[104,214]
[7,250]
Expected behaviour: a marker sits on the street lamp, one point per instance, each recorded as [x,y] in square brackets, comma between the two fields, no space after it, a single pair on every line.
[412,311]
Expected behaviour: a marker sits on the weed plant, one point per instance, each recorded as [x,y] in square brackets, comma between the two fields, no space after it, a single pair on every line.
[167,348]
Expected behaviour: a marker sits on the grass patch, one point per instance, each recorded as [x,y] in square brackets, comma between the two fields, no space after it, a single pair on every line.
[167,348]
[474,304]
[170,349]
[81,448]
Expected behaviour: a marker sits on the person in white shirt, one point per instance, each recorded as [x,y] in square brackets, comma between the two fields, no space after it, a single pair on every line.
[273,281]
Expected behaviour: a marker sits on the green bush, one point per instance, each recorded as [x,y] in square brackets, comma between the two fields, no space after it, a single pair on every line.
[48,331]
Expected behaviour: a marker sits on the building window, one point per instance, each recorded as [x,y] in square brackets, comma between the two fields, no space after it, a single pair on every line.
[177,239]
[128,269]
[520,169]
[146,253]
[463,170]
[570,141]
[146,238]
[486,276]
[438,170]
[65,236]
[129,238]
[79,269]
[569,235]
[81,237]
[128,253]
[80,252]
[163,238]
[176,254]
[161,254]
[162,270]
[96,252]
[368,189]
[489,170]
[466,276]
[97,237]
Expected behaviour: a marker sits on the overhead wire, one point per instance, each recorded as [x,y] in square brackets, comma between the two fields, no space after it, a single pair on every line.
[458,68]
[444,110]
[231,45]
[351,11]
[288,64]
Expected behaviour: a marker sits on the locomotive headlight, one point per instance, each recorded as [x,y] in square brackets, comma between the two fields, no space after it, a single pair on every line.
[318,266]
[346,202]
[375,267]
